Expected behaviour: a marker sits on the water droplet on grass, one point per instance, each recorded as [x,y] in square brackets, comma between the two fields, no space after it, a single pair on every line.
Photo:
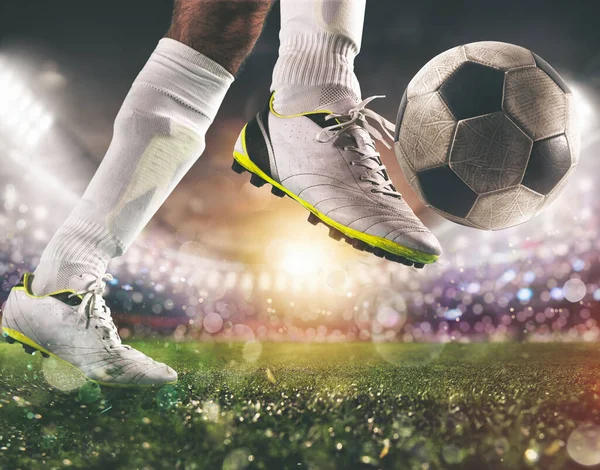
[167,397]
[89,392]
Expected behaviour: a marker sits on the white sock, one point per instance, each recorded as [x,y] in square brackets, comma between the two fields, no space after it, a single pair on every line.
[319,40]
[158,135]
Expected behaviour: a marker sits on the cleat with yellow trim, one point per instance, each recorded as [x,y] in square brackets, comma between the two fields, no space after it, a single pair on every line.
[327,161]
[77,328]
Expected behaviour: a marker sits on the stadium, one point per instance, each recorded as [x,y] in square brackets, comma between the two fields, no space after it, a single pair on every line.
[293,349]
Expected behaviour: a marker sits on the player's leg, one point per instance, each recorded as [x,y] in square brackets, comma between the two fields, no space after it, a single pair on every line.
[158,134]
[312,141]
[223,31]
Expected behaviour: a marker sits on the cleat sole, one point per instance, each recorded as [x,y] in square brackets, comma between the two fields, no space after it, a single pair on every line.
[313,219]
[239,169]
[359,240]
[359,245]
[277,192]
[335,234]
[257,181]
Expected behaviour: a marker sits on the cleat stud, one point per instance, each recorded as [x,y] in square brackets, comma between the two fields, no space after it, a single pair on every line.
[44,355]
[257,181]
[404,261]
[313,219]
[237,167]
[348,240]
[359,245]
[379,252]
[369,248]
[277,192]
[419,265]
[335,234]
[29,349]
[392,257]
[9,340]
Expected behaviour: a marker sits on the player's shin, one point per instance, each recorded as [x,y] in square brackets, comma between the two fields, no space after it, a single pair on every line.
[158,134]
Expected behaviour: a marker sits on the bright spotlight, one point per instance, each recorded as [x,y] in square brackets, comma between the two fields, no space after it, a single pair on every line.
[301,259]
[584,106]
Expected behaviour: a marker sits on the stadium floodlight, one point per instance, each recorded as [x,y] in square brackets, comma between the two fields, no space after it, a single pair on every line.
[22,117]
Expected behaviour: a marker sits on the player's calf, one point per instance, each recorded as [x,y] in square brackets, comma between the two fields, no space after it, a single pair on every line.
[224,31]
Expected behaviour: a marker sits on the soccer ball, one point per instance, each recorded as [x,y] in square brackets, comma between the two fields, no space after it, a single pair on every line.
[487,134]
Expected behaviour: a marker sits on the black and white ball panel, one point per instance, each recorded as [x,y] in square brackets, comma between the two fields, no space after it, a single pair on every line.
[505,208]
[499,55]
[433,74]
[553,74]
[573,132]
[487,134]
[549,162]
[535,102]
[487,153]
[427,131]
[444,190]
[473,90]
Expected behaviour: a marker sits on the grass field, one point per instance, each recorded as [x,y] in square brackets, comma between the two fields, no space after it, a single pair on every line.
[346,406]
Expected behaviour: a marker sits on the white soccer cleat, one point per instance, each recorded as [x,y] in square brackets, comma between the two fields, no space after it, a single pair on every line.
[327,161]
[76,327]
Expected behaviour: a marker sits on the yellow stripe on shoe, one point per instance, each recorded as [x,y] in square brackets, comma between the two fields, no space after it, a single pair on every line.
[373,240]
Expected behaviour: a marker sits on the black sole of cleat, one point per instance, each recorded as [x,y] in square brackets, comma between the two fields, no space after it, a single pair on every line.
[335,234]
[277,192]
[359,245]
[419,265]
[28,349]
[257,181]
[313,219]
[237,167]
[404,261]
[379,252]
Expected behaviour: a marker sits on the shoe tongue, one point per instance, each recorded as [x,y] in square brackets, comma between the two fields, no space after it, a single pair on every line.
[81,282]
[339,107]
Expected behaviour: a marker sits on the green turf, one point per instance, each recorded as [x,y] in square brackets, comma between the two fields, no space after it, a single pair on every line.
[347,406]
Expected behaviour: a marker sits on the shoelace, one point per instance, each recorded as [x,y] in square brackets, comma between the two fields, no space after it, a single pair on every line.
[93,305]
[368,156]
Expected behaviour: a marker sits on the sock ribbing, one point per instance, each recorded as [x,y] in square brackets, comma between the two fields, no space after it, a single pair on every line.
[314,70]
[78,247]
[314,60]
